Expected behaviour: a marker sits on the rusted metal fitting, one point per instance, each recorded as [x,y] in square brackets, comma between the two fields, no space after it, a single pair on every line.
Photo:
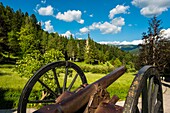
[98,96]
[114,99]
[63,96]
[81,87]
[108,108]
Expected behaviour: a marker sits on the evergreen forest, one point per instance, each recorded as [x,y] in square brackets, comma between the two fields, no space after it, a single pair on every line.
[24,43]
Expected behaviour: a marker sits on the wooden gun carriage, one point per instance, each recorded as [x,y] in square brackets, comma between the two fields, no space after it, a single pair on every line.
[61,96]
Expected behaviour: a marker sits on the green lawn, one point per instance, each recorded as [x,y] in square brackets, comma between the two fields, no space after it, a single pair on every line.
[10,79]
[120,87]
[11,85]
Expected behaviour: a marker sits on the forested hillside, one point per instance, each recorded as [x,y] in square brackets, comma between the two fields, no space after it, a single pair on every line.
[22,37]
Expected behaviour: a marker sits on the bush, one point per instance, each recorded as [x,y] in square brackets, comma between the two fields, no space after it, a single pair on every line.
[33,61]
[29,64]
[103,69]
[9,98]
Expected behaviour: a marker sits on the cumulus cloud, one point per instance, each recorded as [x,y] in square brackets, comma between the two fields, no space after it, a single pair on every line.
[84,30]
[48,26]
[118,10]
[134,42]
[118,21]
[46,11]
[165,33]
[70,15]
[67,34]
[149,8]
[112,27]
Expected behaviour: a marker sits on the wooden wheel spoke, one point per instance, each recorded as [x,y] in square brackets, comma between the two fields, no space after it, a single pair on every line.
[137,110]
[145,98]
[154,97]
[41,101]
[48,88]
[56,81]
[157,107]
[150,91]
[65,79]
[73,81]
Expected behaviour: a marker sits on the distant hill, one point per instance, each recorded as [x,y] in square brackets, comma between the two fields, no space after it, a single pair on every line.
[129,48]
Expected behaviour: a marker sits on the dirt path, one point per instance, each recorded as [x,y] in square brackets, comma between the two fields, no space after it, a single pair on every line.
[166,96]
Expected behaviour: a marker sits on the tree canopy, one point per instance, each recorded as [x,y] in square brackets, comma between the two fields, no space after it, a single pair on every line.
[155,47]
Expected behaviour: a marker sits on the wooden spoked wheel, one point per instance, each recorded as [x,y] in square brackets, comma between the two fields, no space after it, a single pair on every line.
[49,82]
[145,93]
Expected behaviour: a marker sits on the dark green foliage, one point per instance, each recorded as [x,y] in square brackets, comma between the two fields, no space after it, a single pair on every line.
[80,49]
[71,48]
[9,98]
[30,63]
[155,48]
[104,68]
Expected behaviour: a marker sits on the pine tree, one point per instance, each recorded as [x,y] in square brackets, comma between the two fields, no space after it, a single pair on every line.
[28,37]
[80,49]
[154,49]
[71,48]
[90,51]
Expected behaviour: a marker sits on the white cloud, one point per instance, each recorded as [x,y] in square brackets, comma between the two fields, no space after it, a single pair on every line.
[48,26]
[70,16]
[84,30]
[91,15]
[112,27]
[118,10]
[118,21]
[165,33]
[43,1]
[149,8]
[45,11]
[67,34]
[105,28]
[108,28]
[134,42]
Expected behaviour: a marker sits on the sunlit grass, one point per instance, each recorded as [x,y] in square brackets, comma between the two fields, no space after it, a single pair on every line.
[11,81]
[120,87]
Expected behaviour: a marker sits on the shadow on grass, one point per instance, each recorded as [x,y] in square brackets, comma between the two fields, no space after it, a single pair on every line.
[7,66]
[5,60]
[4,74]
[4,103]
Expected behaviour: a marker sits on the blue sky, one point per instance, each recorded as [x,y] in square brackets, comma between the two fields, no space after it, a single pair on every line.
[116,21]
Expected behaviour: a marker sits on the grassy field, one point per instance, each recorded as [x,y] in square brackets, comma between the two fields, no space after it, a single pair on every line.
[120,87]
[10,79]
[11,85]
